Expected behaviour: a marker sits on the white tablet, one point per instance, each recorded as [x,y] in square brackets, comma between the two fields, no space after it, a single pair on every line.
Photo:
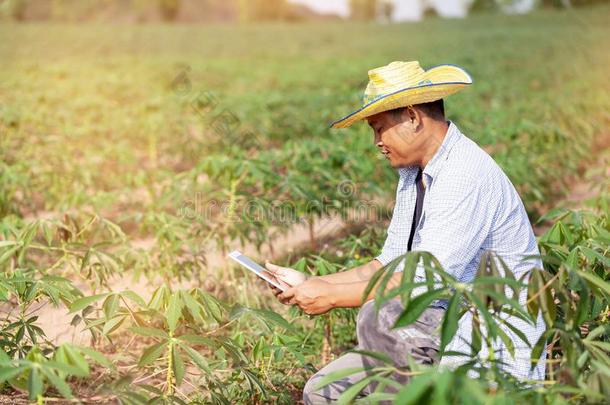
[253,267]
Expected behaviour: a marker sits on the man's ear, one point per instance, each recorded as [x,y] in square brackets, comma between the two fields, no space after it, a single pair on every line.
[413,117]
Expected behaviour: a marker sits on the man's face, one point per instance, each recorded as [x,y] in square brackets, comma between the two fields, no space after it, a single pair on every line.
[396,138]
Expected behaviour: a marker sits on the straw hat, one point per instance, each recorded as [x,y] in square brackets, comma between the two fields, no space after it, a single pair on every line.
[401,84]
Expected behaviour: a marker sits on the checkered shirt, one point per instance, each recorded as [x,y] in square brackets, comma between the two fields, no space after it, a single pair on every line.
[470,206]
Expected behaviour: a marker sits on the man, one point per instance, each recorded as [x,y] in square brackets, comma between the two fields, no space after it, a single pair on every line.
[452,200]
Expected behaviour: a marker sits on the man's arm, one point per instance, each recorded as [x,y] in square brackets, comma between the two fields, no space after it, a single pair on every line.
[357,274]
[317,296]
[291,278]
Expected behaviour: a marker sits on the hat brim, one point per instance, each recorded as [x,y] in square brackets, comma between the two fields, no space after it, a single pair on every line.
[444,80]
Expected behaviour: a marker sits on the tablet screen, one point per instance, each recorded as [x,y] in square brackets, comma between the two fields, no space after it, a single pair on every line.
[253,266]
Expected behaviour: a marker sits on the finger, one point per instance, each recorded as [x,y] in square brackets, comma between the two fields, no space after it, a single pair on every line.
[276,270]
[286,301]
[269,274]
[273,268]
[287,294]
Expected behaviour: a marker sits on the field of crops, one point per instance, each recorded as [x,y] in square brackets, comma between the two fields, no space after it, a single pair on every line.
[133,157]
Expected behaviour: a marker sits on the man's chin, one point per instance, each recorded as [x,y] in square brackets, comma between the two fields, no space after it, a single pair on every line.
[398,165]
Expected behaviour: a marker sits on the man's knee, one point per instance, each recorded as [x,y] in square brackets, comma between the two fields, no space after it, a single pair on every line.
[311,395]
[308,390]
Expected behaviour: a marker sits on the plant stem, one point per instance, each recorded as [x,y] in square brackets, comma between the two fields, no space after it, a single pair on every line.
[169,388]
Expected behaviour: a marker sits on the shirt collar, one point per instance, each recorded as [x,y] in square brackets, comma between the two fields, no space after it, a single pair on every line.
[408,174]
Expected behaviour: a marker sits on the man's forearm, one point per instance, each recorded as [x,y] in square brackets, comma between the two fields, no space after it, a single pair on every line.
[349,295]
[357,274]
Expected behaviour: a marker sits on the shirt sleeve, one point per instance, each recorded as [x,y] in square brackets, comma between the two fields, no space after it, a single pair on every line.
[400,225]
[391,245]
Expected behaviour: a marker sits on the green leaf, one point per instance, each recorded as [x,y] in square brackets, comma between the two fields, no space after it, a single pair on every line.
[511,282]
[34,383]
[373,282]
[450,321]
[417,306]
[413,392]
[96,356]
[440,395]
[57,382]
[6,373]
[273,317]
[197,358]
[194,308]
[508,342]
[349,395]
[212,305]
[77,360]
[534,285]
[516,331]
[253,381]
[158,298]
[592,255]
[605,346]
[177,365]
[173,311]
[66,368]
[133,297]
[110,305]
[547,305]
[601,367]
[150,332]
[113,324]
[595,281]
[539,348]
[4,358]
[8,254]
[258,350]
[81,303]
[475,338]
[196,339]
[152,353]
[338,375]
[510,306]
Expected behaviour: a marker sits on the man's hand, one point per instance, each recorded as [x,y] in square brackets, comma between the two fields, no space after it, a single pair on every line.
[314,296]
[286,277]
